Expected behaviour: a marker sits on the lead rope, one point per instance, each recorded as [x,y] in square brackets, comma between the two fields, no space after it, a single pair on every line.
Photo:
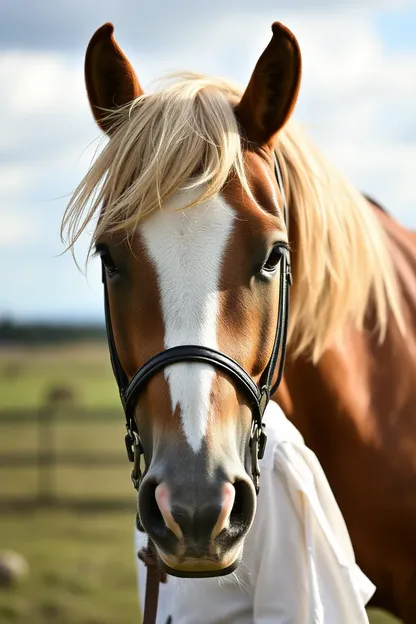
[154,577]
[148,554]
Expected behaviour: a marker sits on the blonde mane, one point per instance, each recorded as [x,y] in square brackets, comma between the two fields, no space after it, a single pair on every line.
[342,262]
[185,136]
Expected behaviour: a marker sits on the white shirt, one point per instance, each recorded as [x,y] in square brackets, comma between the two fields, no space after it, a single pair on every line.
[298,565]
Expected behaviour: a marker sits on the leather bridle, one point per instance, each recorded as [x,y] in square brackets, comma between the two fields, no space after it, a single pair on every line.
[257,394]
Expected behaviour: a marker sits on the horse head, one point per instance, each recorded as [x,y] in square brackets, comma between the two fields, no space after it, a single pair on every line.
[191,234]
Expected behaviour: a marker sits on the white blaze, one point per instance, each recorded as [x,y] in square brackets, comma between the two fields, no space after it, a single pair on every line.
[187,249]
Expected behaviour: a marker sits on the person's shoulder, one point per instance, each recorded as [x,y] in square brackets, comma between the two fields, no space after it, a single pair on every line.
[279,430]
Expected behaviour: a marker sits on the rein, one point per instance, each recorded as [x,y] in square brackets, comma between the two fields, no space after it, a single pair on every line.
[258,395]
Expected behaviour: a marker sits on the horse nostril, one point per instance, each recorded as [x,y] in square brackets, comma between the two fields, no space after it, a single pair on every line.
[243,509]
[162,496]
[154,515]
[150,514]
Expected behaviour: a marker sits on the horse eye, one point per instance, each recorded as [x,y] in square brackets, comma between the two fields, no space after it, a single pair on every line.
[107,260]
[273,260]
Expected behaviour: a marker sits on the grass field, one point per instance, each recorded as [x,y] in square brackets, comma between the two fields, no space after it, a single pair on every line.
[26,375]
[81,564]
[81,568]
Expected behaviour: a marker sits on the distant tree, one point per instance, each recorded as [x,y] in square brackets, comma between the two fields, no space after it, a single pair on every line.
[13,333]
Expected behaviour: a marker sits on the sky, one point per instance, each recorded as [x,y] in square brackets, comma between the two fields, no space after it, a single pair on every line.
[357,101]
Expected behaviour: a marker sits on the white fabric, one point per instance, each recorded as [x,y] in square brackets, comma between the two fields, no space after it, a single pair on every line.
[298,565]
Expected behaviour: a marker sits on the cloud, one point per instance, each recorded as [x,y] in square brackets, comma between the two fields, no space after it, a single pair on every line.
[43,104]
[16,229]
[153,26]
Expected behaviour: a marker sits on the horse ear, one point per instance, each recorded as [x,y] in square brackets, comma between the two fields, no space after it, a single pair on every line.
[273,89]
[109,77]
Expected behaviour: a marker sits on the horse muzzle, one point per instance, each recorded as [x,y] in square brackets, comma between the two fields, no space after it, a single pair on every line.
[198,531]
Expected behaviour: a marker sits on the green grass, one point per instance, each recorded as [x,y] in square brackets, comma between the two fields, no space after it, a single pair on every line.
[81,564]
[379,617]
[81,568]
[26,375]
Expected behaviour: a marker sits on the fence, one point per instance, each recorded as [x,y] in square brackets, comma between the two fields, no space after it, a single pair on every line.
[64,457]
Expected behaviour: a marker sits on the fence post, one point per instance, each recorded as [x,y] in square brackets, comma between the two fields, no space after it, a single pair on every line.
[46,454]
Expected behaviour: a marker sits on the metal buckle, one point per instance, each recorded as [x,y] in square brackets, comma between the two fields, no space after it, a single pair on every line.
[136,473]
[258,440]
[264,399]
[129,442]
[262,441]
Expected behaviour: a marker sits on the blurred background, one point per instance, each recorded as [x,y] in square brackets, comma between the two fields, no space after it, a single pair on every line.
[66,502]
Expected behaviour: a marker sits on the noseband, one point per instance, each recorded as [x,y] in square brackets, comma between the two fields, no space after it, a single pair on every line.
[257,394]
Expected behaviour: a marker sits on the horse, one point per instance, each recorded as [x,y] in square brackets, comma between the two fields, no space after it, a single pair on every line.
[193,241]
